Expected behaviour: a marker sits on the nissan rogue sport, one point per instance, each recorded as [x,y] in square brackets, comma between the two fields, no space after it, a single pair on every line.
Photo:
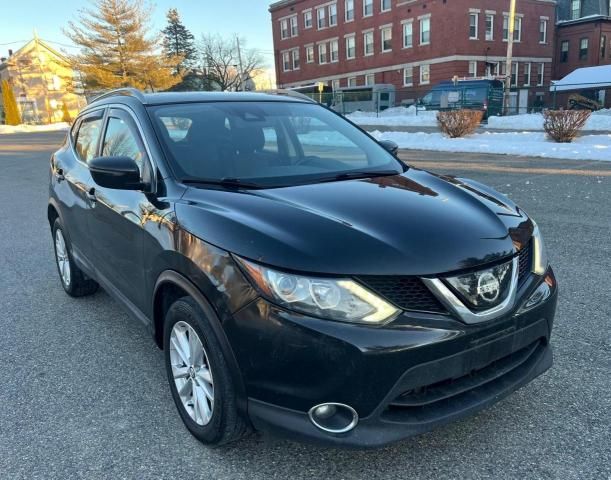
[299,277]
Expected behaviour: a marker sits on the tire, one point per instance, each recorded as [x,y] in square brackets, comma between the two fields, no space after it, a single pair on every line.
[72,278]
[218,422]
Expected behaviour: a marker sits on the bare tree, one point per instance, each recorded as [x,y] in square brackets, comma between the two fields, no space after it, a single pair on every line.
[220,58]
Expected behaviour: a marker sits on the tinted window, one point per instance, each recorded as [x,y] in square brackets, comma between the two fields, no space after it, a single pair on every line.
[269,143]
[87,138]
[121,140]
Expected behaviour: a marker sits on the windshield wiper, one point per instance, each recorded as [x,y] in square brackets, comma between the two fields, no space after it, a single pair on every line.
[355,175]
[223,182]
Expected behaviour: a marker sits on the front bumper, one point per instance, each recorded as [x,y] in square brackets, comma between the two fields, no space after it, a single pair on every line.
[405,378]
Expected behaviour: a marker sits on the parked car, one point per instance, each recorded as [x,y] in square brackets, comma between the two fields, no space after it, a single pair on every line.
[299,277]
[485,95]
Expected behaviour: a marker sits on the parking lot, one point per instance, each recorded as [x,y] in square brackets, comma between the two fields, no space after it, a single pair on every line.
[83,392]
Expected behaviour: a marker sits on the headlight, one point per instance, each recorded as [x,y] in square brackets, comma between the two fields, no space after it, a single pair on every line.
[540,262]
[334,299]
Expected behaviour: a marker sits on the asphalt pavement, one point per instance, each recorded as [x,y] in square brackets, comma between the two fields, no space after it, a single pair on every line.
[83,392]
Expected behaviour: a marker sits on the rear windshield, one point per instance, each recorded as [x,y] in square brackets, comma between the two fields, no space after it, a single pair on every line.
[267,143]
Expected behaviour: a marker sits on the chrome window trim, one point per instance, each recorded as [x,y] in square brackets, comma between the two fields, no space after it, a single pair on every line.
[454,305]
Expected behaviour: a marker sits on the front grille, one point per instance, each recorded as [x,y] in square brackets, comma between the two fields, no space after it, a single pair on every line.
[408,293]
[524,262]
[430,401]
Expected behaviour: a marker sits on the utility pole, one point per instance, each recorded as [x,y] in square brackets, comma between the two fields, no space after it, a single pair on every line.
[508,67]
[241,71]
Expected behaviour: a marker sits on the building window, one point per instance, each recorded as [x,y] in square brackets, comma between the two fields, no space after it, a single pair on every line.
[575,9]
[335,84]
[321,15]
[349,11]
[408,76]
[352,81]
[350,47]
[564,51]
[333,14]
[583,49]
[527,74]
[368,43]
[473,21]
[603,45]
[367,8]
[307,19]
[334,48]
[540,74]
[492,69]
[284,28]
[543,30]
[514,73]
[425,31]
[294,29]
[517,29]
[322,53]
[408,37]
[489,26]
[370,79]
[386,39]
[309,54]
[425,74]
[286,61]
[385,5]
[295,55]
[472,68]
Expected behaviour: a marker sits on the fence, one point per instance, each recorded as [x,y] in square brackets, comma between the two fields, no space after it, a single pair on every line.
[524,99]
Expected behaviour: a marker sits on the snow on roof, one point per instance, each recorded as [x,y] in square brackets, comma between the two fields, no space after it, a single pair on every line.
[584,78]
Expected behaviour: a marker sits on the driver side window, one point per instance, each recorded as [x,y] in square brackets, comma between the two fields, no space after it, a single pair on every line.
[121,141]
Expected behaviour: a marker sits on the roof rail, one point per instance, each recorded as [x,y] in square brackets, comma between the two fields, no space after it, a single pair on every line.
[127,91]
[288,93]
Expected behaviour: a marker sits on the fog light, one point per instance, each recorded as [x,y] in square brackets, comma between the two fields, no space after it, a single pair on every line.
[333,417]
[541,294]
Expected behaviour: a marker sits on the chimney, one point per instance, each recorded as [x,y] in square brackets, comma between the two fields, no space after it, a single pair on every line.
[10,53]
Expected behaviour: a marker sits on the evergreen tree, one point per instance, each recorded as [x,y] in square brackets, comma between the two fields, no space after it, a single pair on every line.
[11,111]
[116,49]
[178,43]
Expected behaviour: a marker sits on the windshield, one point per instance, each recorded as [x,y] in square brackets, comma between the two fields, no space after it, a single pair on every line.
[267,144]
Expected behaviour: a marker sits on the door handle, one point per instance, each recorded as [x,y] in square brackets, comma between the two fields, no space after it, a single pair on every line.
[91,195]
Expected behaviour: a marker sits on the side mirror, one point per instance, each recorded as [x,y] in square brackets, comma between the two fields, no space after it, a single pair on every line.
[121,173]
[389,146]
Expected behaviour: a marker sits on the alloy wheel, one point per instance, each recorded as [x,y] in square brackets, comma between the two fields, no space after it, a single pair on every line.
[191,372]
[63,261]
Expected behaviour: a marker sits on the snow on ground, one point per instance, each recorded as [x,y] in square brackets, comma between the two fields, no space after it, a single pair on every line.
[599,121]
[535,144]
[34,128]
[396,117]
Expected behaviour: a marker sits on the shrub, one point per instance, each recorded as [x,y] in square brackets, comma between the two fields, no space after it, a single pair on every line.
[564,125]
[458,123]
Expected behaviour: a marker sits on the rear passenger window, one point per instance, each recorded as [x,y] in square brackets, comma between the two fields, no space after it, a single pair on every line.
[88,137]
[121,141]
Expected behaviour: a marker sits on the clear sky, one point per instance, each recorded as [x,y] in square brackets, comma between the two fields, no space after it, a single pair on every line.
[248,18]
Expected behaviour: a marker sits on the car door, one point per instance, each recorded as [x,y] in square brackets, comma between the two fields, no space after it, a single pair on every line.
[116,220]
[73,182]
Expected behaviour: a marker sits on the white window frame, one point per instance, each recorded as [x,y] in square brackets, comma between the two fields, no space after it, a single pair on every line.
[293,26]
[332,8]
[408,25]
[367,3]
[422,69]
[335,84]
[490,37]
[351,37]
[368,77]
[309,49]
[515,73]
[286,61]
[543,23]
[352,82]
[285,32]
[472,68]
[382,9]
[517,28]
[386,29]
[476,16]
[527,70]
[322,51]
[295,58]
[365,35]
[308,15]
[334,51]
[321,18]
[425,21]
[540,74]
[346,10]
[572,10]
[409,69]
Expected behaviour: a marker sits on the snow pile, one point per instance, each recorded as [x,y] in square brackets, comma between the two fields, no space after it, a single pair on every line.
[598,121]
[53,127]
[535,144]
[396,117]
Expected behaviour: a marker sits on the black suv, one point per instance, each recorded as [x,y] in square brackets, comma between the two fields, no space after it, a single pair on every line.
[299,277]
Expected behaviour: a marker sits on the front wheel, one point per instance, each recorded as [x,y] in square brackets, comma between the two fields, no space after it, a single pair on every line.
[199,377]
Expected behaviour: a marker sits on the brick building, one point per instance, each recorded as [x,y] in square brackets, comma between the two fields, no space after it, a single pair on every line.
[411,44]
[583,37]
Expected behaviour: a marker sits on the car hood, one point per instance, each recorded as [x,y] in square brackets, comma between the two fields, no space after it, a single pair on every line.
[415,223]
